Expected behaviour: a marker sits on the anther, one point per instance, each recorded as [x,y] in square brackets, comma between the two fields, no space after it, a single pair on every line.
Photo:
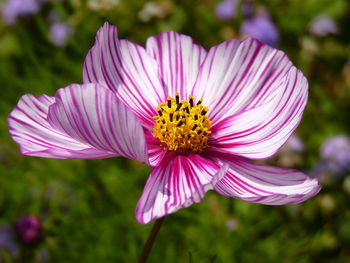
[178,106]
[204,111]
[179,124]
[194,127]
[200,101]
[191,100]
[171,117]
[159,112]
[169,102]
[196,117]
[177,96]
[187,110]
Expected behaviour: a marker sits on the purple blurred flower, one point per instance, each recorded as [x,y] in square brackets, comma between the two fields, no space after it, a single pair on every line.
[323,25]
[295,144]
[7,242]
[226,9]
[336,151]
[59,33]
[28,229]
[247,9]
[14,8]
[262,28]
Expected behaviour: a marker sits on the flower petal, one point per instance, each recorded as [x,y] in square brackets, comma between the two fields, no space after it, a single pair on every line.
[264,184]
[177,182]
[179,61]
[92,114]
[156,151]
[258,132]
[235,72]
[128,70]
[29,127]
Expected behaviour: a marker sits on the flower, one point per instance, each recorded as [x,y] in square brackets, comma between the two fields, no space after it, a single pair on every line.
[226,9]
[323,25]
[260,27]
[7,242]
[193,115]
[14,8]
[59,33]
[102,5]
[294,144]
[28,229]
[336,152]
[150,10]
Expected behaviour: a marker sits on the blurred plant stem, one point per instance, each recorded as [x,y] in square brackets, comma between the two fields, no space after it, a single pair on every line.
[149,243]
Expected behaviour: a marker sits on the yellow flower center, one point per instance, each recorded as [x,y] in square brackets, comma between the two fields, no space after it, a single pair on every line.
[182,126]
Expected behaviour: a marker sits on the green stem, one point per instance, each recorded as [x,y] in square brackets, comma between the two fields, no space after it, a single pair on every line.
[149,243]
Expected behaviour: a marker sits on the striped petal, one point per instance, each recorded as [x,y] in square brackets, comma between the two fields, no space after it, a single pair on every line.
[179,60]
[156,152]
[177,182]
[234,74]
[128,70]
[93,115]
[29,127]
[258,132]
[264,184]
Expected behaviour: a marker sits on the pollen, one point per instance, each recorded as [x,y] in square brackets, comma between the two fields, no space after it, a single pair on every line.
[182,125]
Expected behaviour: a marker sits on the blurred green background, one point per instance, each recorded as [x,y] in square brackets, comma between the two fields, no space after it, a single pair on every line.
[87,206]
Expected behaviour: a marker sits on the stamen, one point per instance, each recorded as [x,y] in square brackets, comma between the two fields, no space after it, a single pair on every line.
[200,102]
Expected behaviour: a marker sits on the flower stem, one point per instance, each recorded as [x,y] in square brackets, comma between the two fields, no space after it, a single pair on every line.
[149,243]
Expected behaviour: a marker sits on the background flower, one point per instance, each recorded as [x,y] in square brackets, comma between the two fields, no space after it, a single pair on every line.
[323,25]
[336,152]
[226,9]
[59,33]
[262,28]
[29,229]
[15,8]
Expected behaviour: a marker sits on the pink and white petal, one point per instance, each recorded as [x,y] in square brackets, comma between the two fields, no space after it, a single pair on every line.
[29,127]
[177,182]
[264,184]
[179,60]
[128,70]
[156,151]
[93,115]
[259,132]
[235,74]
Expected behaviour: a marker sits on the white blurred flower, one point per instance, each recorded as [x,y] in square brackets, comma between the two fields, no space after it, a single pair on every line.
[102,5]
[151,9]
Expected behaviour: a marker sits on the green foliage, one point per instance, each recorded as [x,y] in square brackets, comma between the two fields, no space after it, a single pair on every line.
[87,206]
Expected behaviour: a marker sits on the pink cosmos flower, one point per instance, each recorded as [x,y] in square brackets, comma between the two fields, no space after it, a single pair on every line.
[194,116]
